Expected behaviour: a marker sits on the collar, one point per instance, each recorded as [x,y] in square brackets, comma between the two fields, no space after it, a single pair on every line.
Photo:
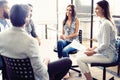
[102,19]
[19,29]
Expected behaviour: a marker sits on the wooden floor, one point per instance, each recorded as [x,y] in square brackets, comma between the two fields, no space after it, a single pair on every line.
[46,49]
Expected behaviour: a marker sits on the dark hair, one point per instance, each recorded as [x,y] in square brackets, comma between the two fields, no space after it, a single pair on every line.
[3,2]
[18,14]
[106,9]
[30,5]
[73,14]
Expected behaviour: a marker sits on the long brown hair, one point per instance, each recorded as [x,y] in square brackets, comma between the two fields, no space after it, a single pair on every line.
[106,10]
[73,14]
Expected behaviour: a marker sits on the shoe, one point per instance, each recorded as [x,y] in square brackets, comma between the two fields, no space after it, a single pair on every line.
[66,76]
[94,79]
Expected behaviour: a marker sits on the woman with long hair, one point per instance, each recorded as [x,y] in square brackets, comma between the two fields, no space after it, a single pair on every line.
[70,32]
[105,51]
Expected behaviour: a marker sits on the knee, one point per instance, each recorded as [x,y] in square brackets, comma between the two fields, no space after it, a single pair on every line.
[64,51]
[60,41]
[79,60]
[67,61]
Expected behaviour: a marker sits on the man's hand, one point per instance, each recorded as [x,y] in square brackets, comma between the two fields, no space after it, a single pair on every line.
[46,61]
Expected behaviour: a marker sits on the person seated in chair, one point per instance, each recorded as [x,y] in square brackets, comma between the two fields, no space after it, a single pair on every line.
[4,15]
[70,32]
[30,27]
[15,42]
[105,51]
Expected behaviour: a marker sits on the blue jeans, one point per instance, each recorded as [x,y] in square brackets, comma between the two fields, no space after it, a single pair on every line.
[64,48]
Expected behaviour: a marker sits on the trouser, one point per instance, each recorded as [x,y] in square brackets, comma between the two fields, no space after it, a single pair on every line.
[83,61]
[58,69]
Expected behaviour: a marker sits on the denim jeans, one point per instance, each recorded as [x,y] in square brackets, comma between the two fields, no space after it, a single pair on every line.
[63,48]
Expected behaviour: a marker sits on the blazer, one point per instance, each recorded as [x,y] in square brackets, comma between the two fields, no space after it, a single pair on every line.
[15,42]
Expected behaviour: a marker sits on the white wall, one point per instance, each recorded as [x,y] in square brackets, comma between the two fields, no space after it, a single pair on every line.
[44,11]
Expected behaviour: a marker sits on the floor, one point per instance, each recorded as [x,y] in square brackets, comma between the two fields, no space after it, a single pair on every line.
[46,50]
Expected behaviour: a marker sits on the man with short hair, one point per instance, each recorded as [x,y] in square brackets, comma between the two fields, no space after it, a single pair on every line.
[30,27]
[4,15]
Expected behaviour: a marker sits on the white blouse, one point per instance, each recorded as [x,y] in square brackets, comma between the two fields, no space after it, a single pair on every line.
[106,38]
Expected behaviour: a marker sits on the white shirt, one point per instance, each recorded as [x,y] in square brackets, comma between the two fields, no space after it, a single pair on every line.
[106,38]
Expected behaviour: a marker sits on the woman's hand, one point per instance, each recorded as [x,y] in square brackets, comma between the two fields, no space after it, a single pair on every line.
[89,53]
[63,37]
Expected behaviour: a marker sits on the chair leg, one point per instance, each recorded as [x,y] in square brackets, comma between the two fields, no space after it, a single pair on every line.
[104,73]
[3,75]
[79,73]
[112,78]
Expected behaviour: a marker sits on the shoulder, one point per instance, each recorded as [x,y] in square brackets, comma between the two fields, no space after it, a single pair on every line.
[107,23]
[5,34]
[1,25]
[31,21]
[28,39]
[77,20]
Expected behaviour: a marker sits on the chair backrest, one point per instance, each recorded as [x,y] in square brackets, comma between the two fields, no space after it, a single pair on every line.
[118,49]
[18,69]
[80,36]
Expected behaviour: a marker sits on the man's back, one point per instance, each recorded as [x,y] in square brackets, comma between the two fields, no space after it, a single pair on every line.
[15,42]
[19,41]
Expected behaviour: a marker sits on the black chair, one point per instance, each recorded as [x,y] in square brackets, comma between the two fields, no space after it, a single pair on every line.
[17,69]
[73,67]
[1,68]
[105,65]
